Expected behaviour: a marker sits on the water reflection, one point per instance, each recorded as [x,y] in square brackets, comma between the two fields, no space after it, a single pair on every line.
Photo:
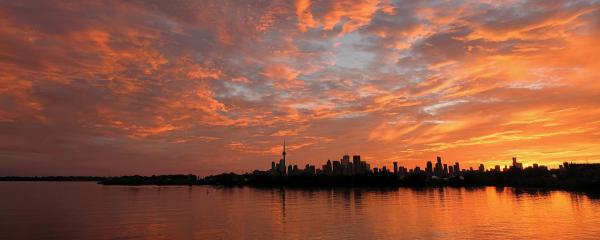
[73,210]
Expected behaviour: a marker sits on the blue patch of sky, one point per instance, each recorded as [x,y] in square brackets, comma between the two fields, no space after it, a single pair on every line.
[348,55]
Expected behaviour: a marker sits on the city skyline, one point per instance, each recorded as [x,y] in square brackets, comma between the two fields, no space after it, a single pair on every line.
[359,173]
[159,87]
[344,166]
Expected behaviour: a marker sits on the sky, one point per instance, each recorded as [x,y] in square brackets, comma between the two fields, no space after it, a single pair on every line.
[204,87]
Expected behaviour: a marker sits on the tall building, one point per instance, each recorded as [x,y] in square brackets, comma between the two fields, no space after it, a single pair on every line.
[481,168]
[456,168]
[515,164]
[327,168]
[395,167]
[445,170]
[346,165]
[439,169]
[337,168]
[281,166]
[356,159]
[429,168]
[358,166]
[346,160]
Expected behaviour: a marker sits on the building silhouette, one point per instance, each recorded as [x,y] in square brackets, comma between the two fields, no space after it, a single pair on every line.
[515,164]
[355,167]
[328,168]
[429,168]
[337,168]
[439,169]
[280,168]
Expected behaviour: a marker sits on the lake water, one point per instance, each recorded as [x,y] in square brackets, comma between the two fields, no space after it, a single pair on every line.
[85,210]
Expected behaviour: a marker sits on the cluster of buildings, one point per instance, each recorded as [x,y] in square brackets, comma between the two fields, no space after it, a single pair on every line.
[356,166]
[342,167]
[442,170]
[347,167]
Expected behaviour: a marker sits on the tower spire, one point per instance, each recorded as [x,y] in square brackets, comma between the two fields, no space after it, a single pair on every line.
[283,153]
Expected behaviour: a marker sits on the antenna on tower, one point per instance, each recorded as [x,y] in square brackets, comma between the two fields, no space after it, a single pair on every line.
[283,153]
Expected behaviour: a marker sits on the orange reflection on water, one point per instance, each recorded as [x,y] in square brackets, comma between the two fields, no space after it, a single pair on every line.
[72,210]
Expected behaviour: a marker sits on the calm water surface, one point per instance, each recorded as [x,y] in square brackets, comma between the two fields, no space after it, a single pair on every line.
[84,210]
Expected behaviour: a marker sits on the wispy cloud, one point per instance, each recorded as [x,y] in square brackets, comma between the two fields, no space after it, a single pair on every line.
[190,86]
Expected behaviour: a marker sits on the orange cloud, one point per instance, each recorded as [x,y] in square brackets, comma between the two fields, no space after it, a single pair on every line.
[359,13]
[305,17]
[283,77]
[206,88]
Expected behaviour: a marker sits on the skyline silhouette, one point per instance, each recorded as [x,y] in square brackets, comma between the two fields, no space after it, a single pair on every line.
[342,167]
[358,173]
[356,167]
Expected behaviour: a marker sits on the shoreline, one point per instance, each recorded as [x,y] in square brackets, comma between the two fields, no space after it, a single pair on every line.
[340,187]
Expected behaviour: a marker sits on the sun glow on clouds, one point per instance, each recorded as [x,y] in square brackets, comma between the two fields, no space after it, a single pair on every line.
[190,86]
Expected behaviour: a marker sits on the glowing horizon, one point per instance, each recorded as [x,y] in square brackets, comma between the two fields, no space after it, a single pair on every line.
[153,87]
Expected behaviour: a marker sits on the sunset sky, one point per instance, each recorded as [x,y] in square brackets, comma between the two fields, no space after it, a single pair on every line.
[203,87]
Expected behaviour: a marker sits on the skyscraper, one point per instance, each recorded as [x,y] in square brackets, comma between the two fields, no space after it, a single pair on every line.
[346,160]
[356,159]
[395,167]
[445,170]
[346,165]
[438,170]
[337,168]
[281,166]
[516,165]
[327,168]
[429,168]
[357,165]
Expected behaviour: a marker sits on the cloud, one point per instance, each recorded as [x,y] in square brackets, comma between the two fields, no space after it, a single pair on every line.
[283,77]
[183,86]
[305,17]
